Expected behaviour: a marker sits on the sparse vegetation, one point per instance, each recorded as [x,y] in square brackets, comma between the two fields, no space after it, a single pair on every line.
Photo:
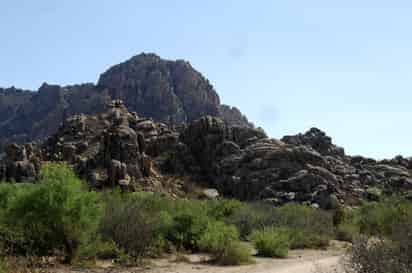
[308,227]
[132,228]
[385,241]
[60,216]
[270,242]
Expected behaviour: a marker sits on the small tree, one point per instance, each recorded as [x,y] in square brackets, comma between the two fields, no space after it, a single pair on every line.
[58,214]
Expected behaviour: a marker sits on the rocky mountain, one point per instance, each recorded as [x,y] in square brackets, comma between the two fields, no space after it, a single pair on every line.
[172,92]
[121,148]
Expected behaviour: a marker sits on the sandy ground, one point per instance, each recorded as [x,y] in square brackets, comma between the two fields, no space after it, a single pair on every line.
[300,261]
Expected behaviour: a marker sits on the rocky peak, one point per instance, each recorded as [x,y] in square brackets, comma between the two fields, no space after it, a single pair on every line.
[318,140]
[171,92]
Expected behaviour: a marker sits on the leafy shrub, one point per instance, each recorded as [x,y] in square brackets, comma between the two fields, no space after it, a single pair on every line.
[135,230]
[251,217]
[3,268]
[380,218]
[222,209]
[11,238]
[57,214]
[222,241]
[347,232]
[216,236]
[386,241]
[235,253]
[100,249]
[186,230]
[309,227]
[272,242]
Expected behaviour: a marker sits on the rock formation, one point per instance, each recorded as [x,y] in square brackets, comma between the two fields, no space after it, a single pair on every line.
[172,92]
[120,148]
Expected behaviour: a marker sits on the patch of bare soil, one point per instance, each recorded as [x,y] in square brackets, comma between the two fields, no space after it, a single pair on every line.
[299,261]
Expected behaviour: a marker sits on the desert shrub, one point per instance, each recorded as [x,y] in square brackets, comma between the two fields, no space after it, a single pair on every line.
[3,268]
[347,228]
[135,230]
[235,253]
[380,218]
[271,242]
[11,240]
[58,214]
[386,241]
[216,236]
[379,256]
[99,249]
[251,217]
[309,227]
[166,221]
[222,241]
[222,209]
[347,232]
[186,230]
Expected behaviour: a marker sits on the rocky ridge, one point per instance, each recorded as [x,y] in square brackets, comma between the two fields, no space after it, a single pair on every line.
[121,148]
[172,92]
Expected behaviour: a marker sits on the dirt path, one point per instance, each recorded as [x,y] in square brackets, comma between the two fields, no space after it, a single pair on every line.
[302,261]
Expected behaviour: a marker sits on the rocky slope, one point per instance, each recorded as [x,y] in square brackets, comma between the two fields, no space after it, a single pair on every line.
[172,92]
[121,148]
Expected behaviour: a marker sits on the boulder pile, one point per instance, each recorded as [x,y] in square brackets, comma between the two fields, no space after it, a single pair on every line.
[119,148]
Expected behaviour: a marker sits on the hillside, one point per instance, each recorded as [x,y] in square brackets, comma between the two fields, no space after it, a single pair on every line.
[121,148]
[172,92]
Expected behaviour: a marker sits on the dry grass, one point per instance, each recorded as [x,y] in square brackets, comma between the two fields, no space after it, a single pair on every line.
[23,265]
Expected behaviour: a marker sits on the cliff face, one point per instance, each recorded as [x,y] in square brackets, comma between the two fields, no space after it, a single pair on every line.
[10,100]
[172,92]
[39,115]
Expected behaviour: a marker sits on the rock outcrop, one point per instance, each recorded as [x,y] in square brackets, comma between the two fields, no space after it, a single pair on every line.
[120,148]
[172,92]
[150,122]
[109,149]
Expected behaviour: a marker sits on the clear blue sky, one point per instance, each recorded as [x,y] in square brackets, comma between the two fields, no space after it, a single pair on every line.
[342,66]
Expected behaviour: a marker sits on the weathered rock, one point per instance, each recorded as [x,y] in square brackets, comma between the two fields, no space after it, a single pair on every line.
[20,164]
[316,139]
[172,92]
[119,148]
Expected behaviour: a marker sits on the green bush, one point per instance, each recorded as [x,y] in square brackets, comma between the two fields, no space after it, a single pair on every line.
[235,253]
[380,218]
[186,230]
[57,214]
[222,241]
[347,232]
[380,256]
[272,242]
[251,217]
[134,229]
[3,268]
[100,249]
[222,209]
[309,227]
[216,237]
